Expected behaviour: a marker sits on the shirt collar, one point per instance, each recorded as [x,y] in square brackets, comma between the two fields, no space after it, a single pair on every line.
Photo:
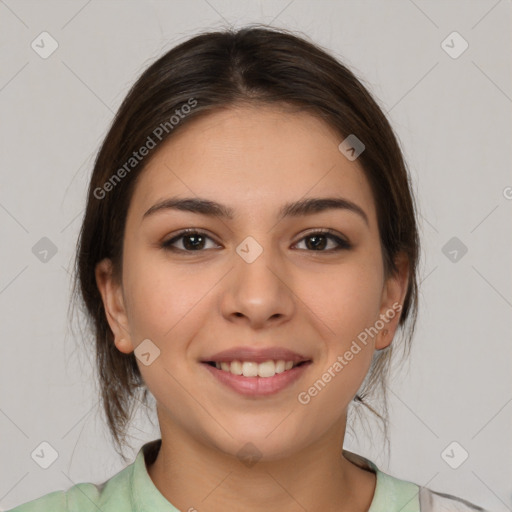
[145,495]
[389,491]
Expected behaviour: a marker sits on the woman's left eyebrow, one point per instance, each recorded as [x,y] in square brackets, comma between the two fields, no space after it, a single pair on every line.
[298,208]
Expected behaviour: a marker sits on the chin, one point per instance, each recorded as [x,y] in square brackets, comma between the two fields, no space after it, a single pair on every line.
[260,445]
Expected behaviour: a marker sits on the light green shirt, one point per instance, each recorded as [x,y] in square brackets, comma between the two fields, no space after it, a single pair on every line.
[133,490]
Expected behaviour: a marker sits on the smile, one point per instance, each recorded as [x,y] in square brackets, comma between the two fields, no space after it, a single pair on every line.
[256,379]
[254,369]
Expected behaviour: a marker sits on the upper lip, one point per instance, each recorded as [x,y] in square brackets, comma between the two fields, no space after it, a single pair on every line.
[257,355]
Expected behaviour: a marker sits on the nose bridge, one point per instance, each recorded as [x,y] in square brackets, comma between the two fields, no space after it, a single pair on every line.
[257,289]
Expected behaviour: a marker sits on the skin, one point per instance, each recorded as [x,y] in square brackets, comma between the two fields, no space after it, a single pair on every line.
[193,304]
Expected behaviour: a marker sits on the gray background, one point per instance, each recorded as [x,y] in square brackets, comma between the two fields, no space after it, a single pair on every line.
[452,116]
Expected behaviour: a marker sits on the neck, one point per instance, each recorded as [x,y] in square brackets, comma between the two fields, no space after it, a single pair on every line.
[192,475]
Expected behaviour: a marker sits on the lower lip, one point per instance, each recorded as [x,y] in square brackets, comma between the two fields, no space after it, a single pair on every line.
[258,386]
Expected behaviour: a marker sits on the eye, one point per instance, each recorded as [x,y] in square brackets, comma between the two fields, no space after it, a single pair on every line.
[190,240]
[319,240]
[193,240]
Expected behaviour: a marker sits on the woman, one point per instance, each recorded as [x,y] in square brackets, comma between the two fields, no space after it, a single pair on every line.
[248,255]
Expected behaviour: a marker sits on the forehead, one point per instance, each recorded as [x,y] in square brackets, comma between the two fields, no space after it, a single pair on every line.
[253,158]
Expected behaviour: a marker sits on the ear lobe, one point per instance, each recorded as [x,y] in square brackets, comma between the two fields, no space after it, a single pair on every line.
[113,303]
[393,296]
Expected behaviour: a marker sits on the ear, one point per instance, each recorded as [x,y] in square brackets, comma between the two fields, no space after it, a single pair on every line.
[113,302]
[393,296]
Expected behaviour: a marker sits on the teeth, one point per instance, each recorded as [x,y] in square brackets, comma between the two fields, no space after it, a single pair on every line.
[252,369]
[236,368]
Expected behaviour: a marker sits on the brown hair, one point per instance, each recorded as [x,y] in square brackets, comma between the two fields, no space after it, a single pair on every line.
[255,64]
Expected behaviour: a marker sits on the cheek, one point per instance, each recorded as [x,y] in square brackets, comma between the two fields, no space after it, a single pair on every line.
[346,299]
[160,296]
[348,302]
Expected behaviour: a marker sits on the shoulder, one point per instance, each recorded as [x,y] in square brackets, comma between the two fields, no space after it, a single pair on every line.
[406,496]
[52,501]
[109,496]
[394,494]
[432,501]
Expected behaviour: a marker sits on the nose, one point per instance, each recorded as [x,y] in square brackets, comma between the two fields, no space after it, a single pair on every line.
[259,293]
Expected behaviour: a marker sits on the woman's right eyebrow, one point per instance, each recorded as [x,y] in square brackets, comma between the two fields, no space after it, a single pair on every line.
[298,208]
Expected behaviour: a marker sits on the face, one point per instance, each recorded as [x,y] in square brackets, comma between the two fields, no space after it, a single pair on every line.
[260,278]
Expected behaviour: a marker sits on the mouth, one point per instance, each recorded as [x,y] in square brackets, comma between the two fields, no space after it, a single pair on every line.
[265,370]
[252,380]
[254,371]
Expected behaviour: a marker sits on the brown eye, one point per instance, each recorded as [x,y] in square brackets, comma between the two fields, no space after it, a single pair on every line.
[190,240]
[318,240]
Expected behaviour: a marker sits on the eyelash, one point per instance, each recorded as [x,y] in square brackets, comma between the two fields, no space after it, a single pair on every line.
[330,234]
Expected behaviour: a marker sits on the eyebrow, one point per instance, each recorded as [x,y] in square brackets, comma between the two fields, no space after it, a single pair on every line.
[294,209]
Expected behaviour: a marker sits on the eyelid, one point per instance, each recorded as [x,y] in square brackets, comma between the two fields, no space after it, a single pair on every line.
[323,231]
[342,242]
[187,231]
